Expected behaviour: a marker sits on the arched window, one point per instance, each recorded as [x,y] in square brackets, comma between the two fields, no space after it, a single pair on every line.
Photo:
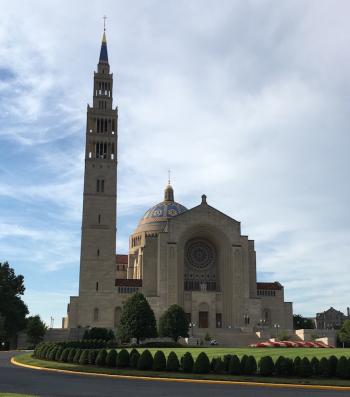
[96,314]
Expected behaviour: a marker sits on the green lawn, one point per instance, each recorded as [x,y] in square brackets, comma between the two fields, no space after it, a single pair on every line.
[14,395]
[256,352]
[28,359]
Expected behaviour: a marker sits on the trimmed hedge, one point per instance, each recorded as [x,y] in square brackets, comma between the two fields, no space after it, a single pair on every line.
[187,362]
[202,364]
[145,362]
[123,359]
[230,364]
[134,358]
[172,363]
[111,358]
[159,361]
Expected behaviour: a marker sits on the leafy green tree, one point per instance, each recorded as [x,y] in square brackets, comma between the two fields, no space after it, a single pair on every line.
[137,319]
[12,309]
[300,322]
[344,333]
[173,323]
[35,330]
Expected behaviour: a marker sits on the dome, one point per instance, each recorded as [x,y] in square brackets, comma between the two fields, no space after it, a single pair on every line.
[156,217]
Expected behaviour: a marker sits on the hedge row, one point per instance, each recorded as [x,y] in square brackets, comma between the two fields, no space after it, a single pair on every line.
[229,364]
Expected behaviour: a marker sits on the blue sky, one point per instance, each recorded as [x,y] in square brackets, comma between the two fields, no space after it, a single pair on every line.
[246,101]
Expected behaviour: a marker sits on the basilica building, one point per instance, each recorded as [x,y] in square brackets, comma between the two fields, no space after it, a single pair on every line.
[194,257]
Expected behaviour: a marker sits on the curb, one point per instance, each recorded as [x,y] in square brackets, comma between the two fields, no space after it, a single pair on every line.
[183,380]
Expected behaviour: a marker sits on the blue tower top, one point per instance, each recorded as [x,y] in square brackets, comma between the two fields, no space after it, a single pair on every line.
[103,52]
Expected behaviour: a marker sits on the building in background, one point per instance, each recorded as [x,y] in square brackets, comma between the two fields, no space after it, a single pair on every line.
[331,318]
[197,258]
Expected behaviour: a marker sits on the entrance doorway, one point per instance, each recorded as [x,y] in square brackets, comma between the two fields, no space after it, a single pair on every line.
[203,320]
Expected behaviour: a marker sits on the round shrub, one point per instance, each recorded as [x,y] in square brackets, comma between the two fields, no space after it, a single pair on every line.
[243,361]
[123,359]
[325,367]
[172,363]
[101,358]
[266,366]
[342,368]
[296,366]
[187,362]
[159,361]
[234,367]
[52,353]
[58,354]
[219,366]
[333,361]
[49,355]
[111,358]
[71,355]
[145,361]
[64,355]
[134,358]
[77,356]
[227,358]
[315,366]
[202,364]
[305,369]
[84,357]
[92,356]
[250,366]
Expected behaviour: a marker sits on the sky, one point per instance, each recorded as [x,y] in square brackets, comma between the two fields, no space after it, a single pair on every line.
[245,101]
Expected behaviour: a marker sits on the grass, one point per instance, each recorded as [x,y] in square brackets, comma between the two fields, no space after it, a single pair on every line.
[256,352]
[15,395]
[28,359]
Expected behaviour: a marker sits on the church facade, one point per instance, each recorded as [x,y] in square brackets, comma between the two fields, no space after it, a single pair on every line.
[196,258]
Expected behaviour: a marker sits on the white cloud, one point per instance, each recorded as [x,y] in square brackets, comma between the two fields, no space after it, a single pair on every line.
[246,102]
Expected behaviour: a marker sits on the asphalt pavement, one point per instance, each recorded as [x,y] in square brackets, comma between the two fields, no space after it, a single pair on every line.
[15,379]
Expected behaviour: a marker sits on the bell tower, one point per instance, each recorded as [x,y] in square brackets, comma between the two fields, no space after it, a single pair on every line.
[98,241]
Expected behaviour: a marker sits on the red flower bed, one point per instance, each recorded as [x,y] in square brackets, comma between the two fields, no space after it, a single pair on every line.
[288,343]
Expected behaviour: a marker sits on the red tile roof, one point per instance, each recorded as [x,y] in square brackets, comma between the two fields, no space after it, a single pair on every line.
[269,286]
[121,259]
[128,282]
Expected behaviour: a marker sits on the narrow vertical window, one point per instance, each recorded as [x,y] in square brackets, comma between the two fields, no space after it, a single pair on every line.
[97,185]
[96,286]
[102,185]
[98,252]
[99,218]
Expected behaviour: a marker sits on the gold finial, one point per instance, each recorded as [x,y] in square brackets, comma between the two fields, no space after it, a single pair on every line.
[104,23]
[168,177]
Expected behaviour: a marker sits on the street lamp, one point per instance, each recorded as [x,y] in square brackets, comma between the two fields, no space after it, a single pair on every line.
[192,325]
[276,326]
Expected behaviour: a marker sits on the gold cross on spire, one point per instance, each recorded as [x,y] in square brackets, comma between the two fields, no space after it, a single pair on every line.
[168,177]
[104,23]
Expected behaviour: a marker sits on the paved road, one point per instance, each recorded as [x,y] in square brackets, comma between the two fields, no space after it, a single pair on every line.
[45,384]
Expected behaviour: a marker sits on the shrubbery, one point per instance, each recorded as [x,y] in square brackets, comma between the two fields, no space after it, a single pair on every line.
[230,364]
[123,359]
[202,364]
[134,358]
[145,361]
[172,363]
[111,358]
[187,362]
[266,366]
[101,358]
[159,361]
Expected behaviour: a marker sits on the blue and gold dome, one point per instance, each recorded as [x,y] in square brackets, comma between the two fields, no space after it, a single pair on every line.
[156,217]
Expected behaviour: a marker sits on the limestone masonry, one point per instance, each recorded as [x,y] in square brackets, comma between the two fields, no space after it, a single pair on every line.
[196,257]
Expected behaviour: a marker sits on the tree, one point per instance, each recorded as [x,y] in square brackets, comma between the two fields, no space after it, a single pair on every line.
[35,330]
[344,333]
[137,319]
[300,322]
[12,309]
[173,323]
